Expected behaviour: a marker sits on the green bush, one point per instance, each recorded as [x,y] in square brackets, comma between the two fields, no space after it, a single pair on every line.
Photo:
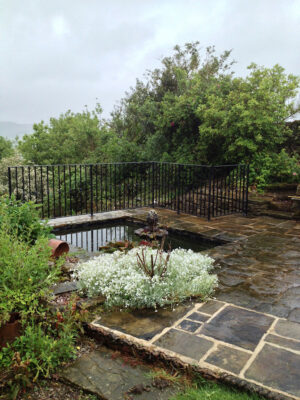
[41,348]
[21,219]
[25,273]
[269,168]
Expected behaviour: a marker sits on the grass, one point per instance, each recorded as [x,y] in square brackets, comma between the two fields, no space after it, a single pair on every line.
[213,391]
[194,387]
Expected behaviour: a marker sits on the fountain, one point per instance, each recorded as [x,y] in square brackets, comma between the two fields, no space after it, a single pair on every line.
[152,230]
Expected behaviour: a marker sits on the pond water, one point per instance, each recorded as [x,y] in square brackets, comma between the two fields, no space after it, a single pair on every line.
[92,237]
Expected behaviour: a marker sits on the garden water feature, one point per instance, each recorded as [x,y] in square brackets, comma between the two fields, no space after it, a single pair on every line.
[92,237]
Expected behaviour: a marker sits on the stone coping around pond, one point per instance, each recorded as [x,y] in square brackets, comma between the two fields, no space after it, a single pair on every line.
[251,350]
[76,220]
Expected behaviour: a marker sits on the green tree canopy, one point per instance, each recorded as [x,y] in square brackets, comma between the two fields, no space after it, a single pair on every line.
[6,147]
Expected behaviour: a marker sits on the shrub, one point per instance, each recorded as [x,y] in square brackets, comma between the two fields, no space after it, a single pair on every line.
[25,274]
[274,168]
[21,219]
[121,279]
[41,348]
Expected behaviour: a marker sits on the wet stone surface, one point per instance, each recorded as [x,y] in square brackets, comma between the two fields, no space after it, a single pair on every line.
[277,368]
[184,343]
[288,329]
[112,377]
[210,307]
[230,359]
[283,342]
[237,326]
[190,326]
[196,316]
[144,324]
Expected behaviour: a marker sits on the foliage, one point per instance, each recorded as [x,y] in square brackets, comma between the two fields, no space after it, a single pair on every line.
[124,283]
[22,219]
[41,348]
[6,147]
[25,273]
[274,167]
[7,161]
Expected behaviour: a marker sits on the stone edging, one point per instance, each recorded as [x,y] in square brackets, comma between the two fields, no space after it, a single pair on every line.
[150,352]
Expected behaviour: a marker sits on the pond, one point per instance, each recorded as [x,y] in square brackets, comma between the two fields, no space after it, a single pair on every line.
[92,237]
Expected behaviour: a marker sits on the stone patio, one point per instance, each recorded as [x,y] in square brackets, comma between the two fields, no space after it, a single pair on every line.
[255,347]
[251,331]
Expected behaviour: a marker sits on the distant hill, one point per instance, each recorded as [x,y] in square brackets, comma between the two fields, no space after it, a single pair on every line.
[10,130]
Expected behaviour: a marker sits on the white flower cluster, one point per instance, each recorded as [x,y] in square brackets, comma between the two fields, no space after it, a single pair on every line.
[118,277]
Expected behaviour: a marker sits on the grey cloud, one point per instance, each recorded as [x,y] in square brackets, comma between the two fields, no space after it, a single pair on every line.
[64,54]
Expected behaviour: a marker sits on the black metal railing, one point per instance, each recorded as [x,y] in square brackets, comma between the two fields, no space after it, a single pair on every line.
[63,190]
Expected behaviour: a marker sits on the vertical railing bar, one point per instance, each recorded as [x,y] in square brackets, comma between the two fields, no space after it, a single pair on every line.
[17,186]
[97,194]
[9,181]
[92,193]
[29,183]
[53,188]
[80,185]
[65,189]
[76,191]
[70,190]
[86,189]
[247,189]
[115,186]
[59,191]
[48,191]
[42,192]
[101,188]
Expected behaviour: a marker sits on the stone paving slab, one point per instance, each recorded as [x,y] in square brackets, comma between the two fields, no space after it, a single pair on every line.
[106,374]
[253,346]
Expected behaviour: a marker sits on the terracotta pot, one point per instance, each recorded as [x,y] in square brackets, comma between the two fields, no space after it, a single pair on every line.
[10,330]
[59,247]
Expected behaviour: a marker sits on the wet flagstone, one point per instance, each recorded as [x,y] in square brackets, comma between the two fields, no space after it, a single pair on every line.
[288,329]
[210,307]
[196,316]
[277,368]
[111,377]
[190,326]
[237,326]
[184,343]
[144,324]
[230,359]
[283,342]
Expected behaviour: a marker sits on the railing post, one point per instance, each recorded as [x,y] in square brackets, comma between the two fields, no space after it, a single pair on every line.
[153,188]
[247,189]
[178,190]
[92,194]
[209,193]
[9,181]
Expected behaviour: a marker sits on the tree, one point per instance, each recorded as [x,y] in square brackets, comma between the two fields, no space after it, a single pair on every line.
[6,147]
[71,138]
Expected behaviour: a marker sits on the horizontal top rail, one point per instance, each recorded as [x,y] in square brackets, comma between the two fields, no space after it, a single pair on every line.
[126,163]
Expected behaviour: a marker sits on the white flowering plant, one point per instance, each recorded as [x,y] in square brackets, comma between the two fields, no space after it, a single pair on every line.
[121,280]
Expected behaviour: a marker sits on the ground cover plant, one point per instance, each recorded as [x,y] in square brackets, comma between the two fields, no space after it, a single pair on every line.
[145,277]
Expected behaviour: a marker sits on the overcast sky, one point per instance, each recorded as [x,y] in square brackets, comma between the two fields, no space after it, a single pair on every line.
[63,54]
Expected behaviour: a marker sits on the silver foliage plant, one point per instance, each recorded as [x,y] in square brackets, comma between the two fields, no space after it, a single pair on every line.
[125,283]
